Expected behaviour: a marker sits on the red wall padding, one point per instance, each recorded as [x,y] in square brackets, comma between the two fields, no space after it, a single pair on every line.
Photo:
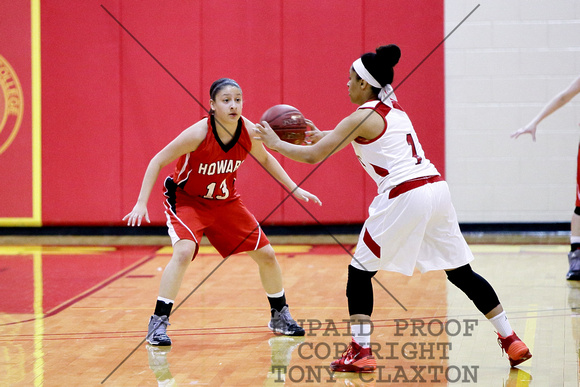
[108,106]
[15,137]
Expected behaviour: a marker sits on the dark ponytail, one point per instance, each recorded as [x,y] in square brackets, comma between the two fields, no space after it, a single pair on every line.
[389,54]
[381,63]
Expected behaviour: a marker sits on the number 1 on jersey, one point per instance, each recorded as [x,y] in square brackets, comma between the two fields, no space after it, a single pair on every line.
[413,149]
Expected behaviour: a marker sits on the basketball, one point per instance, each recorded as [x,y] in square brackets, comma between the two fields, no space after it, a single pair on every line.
[287,122]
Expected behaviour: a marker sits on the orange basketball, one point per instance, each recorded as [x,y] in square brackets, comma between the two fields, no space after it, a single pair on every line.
[288,123]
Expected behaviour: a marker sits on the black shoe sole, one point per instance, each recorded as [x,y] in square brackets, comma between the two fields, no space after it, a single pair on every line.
[159,344]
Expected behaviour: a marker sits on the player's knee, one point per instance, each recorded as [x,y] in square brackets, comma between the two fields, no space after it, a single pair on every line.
[183,253]
[182,258]
[475,287]
[268,260]
[266,251]
[460,276]
[264,256]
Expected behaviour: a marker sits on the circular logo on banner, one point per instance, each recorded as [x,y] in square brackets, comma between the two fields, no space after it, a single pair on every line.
[11,106]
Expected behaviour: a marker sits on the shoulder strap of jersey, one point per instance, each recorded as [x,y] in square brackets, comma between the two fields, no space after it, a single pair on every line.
[369,104]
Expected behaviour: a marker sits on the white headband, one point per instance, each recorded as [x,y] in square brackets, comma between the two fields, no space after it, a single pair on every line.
[362,72]
[386,95]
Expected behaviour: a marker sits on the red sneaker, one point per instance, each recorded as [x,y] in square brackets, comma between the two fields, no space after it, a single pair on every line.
[516,350]
[355,359]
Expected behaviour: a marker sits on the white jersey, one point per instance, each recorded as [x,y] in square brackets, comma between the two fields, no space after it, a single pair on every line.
[413,225]
[396,155]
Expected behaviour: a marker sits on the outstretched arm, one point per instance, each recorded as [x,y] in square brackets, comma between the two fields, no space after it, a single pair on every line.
[186,142]
[272,165]
[556,103]
[360,123]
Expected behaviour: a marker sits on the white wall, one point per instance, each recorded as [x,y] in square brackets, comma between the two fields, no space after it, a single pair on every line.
[501,67]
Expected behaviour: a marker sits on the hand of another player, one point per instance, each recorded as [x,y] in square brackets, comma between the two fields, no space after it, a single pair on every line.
[264,133]
[314,134]
[302,194]
[136,215]
[530,128]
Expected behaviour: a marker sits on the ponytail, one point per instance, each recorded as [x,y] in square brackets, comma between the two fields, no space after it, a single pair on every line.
[380,64]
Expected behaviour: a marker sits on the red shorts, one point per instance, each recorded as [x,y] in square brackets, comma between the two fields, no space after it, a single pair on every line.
[229,226]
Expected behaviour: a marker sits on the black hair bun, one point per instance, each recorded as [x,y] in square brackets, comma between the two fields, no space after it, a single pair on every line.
[389,54]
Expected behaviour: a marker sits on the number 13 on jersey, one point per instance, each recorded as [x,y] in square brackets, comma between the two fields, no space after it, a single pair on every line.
[225,192]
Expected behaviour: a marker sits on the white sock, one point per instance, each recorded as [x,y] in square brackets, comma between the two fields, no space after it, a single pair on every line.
[276,295]
[166,300]
[501,324]
[361,333]
[574,239]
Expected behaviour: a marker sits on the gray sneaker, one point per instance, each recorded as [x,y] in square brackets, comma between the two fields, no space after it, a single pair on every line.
[283,323]
[157,331]
[574,261]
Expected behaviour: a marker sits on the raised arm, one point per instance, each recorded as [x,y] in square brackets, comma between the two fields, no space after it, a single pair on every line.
[556,103]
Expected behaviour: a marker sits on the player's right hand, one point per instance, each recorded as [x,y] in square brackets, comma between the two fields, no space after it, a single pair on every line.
[530,128]
[136,215]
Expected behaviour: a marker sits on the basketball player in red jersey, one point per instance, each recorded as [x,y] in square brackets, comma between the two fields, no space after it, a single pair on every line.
[201,198]
[411,222]
[561,99]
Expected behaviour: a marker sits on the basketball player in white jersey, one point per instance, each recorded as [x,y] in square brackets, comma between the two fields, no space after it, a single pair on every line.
[411,222]
[561,99]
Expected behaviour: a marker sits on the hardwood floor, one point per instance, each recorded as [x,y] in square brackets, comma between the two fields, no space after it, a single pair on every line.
[76,315]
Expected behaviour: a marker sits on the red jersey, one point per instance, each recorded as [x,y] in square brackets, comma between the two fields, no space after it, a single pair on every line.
[210,171]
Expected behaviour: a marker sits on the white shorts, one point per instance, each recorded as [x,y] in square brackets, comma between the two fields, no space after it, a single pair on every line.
[417,228]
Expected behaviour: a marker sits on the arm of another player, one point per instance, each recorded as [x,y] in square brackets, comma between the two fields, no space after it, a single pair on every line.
[556,103]
[186,142]
[275,169]
[359,123]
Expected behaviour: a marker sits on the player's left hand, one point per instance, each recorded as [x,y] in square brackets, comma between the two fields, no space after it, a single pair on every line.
[263,132]
[302,194]
[314,134]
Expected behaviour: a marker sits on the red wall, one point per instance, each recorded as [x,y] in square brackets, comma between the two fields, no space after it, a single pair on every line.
[108,107]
